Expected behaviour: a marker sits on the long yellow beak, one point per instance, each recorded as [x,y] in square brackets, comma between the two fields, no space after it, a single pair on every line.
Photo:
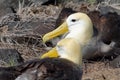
[59,31]
[51,54]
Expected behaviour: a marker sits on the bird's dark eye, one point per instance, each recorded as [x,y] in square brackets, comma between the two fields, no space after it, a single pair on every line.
[73,20]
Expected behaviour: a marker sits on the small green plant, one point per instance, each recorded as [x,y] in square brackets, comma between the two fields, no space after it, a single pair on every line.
[63,1]
[11,62]
[91,1]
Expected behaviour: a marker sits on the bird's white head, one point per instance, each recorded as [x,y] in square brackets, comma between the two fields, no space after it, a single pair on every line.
[78,26]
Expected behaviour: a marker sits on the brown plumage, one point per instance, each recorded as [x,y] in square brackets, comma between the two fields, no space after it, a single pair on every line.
[110,27]
[108,37]
[107,25]
[44,69]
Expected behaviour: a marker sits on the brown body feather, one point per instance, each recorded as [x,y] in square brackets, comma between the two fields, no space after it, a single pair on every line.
[44,69]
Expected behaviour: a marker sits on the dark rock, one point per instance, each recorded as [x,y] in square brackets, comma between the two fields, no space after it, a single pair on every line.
[8,73]
[109,2]
[99,1]
[48,2]
[10,6]
[10,56]
[57,2]
[105,8]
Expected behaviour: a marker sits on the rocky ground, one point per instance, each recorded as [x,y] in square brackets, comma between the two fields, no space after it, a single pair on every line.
[21,32]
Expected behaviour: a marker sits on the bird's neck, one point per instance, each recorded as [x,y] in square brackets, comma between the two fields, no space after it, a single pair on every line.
[81,35]
[66,47]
